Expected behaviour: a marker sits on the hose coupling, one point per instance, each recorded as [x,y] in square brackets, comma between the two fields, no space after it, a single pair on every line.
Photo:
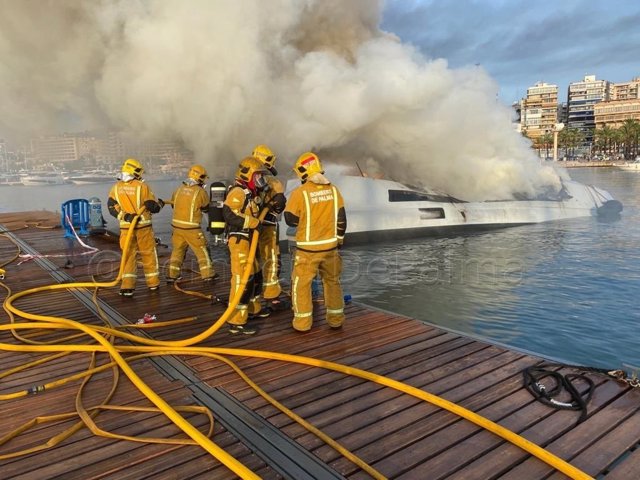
[36,389]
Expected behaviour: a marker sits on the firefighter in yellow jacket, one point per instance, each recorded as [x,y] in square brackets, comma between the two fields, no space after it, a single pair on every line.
[316,208]
[126,199]
[241,210]
[268,250]
[189,201]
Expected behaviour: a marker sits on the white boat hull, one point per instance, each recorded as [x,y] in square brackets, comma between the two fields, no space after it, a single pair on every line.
[45,179]
[634,166]
[383,209]
[92,180]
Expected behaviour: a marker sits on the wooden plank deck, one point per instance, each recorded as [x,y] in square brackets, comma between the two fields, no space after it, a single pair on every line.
[397,434]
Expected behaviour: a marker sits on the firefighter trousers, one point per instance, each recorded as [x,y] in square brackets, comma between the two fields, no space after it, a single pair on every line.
[305,267]
[183,239]
[249,301]
[269,253]
[144,243]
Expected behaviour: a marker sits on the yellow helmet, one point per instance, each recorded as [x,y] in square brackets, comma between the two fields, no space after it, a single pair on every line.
[198,174]
[266,156]
[251,173]
[133,167]
[307,164]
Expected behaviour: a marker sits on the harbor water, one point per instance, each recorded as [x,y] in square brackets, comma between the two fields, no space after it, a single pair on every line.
[566,290]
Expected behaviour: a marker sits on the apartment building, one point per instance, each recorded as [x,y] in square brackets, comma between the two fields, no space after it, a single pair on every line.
[57,149]
[623,104]
[613,113]
[581,99]
[152,152]
[105,148]
[625,90]
[539,110]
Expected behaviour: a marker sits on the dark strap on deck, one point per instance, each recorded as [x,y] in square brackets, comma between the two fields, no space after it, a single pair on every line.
[278,451]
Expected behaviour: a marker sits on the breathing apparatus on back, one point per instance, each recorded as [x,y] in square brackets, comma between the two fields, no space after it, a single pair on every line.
[217,196]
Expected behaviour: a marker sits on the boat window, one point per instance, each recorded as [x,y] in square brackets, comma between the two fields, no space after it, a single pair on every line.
[413,196]
[431,213]
[407,196]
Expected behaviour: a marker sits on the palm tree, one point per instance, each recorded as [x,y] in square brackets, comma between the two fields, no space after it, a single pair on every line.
[604,139]
[630,133]
[570,138]
[547,142]
[536,143]
[617,141]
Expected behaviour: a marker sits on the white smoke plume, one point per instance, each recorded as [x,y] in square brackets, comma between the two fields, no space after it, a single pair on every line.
[297,75]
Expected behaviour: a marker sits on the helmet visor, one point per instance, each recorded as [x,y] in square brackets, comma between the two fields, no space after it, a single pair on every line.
[259,180]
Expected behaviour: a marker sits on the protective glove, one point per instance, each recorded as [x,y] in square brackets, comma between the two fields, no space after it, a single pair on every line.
[128,217]
[161,203]
[270,218]
[152,206]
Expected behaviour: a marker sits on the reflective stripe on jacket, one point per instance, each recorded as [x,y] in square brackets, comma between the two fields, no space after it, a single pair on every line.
[130,196]
[240,211]
[188,202]
[316,206]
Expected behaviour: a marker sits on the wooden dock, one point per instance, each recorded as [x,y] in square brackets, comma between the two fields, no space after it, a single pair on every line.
[400,436]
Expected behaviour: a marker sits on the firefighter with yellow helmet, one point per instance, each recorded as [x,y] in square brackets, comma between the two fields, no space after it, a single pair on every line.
[189,200]
[268,250]
[316,208]
[241,209]
[126,198]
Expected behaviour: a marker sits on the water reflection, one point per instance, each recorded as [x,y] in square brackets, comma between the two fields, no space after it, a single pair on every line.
[563,289]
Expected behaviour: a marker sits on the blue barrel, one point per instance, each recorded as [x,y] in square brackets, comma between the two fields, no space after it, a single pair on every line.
[75,213]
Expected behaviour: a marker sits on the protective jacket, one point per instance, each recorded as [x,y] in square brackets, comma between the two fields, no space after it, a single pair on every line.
[269,252]
[240,211]
[275,199]
[127,198]
[189,201]
[318,212]
[125,201]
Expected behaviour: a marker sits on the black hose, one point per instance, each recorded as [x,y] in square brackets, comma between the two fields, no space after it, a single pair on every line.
[548,392]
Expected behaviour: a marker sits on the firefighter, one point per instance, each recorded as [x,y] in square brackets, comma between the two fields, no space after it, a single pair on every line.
[316,208]
[268,249]
[126,198]
[241,210]
[189,201]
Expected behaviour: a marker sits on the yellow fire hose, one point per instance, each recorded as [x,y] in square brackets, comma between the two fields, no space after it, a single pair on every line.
[156,347]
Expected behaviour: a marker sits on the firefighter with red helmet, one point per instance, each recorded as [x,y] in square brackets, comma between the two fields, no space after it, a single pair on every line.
[241,209]
[316,208]
[126,199]
[189,201]
[268,249]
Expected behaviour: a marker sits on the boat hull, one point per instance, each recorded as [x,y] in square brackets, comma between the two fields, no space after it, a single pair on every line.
[43,180]
[633,166]
[385,210]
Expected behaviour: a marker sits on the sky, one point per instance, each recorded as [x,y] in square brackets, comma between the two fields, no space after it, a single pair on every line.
[521,42]
[407,89]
